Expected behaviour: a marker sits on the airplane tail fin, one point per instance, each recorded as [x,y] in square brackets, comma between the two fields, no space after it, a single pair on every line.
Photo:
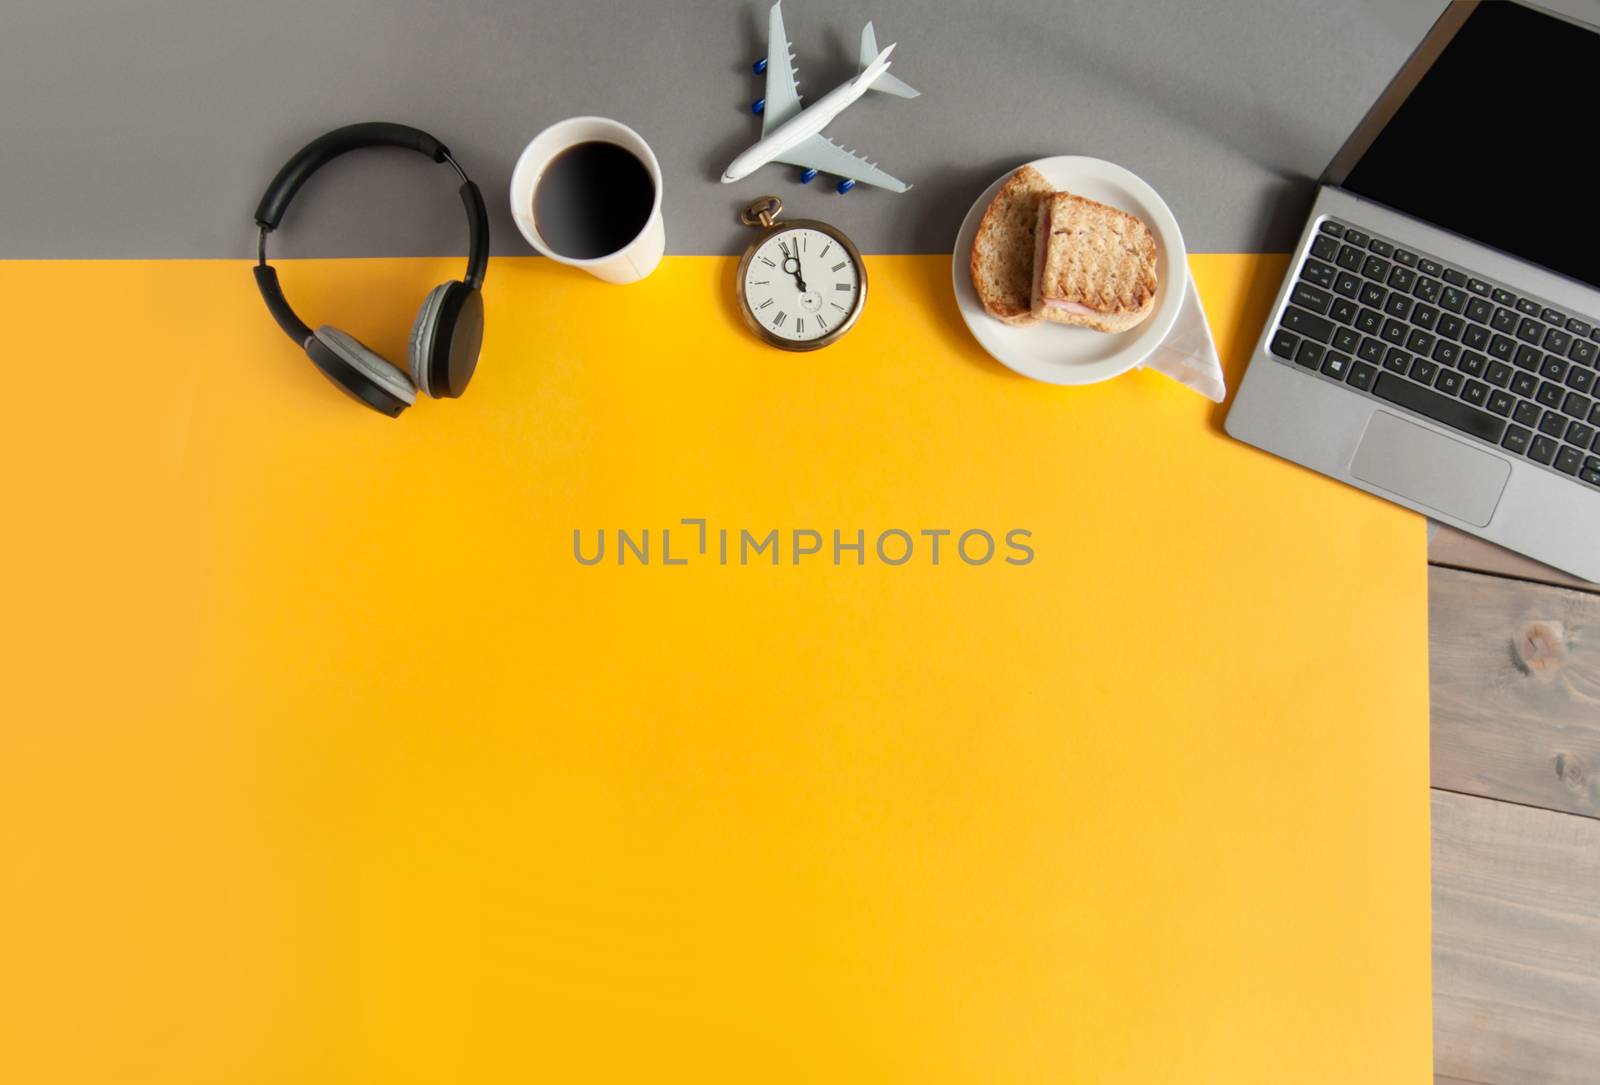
[885,82]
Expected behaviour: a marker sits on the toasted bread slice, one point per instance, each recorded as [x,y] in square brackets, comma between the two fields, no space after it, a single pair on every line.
[1095,266]
[1002,252]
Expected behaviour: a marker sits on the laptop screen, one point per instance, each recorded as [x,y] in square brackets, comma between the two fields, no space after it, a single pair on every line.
[1497,141]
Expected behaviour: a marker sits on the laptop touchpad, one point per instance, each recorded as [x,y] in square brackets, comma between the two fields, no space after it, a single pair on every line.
[1444,474]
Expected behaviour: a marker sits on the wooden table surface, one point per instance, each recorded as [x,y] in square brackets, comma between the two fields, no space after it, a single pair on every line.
[1515,676]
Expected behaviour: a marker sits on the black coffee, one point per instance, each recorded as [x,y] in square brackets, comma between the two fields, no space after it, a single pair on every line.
[592,200]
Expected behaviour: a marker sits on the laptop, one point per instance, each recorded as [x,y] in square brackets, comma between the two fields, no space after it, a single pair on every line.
[1437,338]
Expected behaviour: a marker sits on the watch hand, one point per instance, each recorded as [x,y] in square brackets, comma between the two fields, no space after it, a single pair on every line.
[798,279]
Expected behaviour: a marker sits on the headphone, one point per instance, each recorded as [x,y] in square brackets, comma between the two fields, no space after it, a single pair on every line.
[449,326]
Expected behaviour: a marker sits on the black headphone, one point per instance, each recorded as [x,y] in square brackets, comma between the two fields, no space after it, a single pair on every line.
[449,326]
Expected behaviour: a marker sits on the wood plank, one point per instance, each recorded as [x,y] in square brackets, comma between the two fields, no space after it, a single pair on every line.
[1516,943]
[1447,546]
[1515,678]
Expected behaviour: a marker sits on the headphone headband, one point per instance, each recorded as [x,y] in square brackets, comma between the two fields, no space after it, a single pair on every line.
[324,149]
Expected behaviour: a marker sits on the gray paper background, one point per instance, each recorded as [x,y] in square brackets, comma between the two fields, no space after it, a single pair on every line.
[149,129]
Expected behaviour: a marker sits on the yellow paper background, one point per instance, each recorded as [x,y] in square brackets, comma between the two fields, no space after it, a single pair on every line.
[324,760]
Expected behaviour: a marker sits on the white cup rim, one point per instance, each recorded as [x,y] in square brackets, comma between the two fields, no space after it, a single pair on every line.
[522,212]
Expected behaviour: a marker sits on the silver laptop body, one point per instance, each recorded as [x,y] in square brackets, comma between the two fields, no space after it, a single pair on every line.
[1389,430]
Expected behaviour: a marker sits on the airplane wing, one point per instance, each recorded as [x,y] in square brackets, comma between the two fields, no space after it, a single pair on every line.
[823,154]
[783,87]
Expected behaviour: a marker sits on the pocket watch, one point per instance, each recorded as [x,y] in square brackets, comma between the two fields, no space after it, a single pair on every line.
[801,284]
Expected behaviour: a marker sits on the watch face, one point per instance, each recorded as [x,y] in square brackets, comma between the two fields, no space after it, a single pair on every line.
[803,286]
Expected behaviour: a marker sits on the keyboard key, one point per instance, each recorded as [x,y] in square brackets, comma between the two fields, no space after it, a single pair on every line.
[1472,363]
[1442,409]
[1451,327]
[1328,226]
[1381,247]
[1402,278]
[1576,405]
[1476,336]
[1543,450]
[1420,341]
[1315,271]
[1478,286]
[1527,358]
[1344,311]
[1371,350]
[1397,360]
[1346,285]
[1310,297]
[1372,294]
[1552,424]
[1552,368]
[1479,310]
[1581,379]
[1528,305]
[1557,341]
[1527,413]
[1516,439]
[1453,300]
[1347,340]
[1530,330]
[1425,316]
[1504,297]
[1578,327]
[1501,402]
[1375,269]
[1568,460]
[1355,237]
[1350,258]
[1449,382]
[1406,257]
[1324,247]
[1429,267]
[1594,417]
[1361,375]
[1398,305]
[1580,434]
[1476,393]
[1335,364]
[1551,394]
[1524,384]
[1551,316]
[1427,289]
[1394,331]
[1590,475]
[1422,370]
[1310,354]
[1303,323]
[1498,374]
[1455,277]
[1446,352]
[1369,321]
[1583,352]
[1504,320]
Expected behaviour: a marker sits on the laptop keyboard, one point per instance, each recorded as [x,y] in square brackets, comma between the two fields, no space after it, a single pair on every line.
[1440,342]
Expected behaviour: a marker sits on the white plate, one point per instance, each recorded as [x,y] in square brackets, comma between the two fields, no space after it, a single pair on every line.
[1059,353]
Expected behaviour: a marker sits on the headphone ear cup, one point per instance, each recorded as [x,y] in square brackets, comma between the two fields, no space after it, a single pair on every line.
[360,370]
[420,349]
[445,340]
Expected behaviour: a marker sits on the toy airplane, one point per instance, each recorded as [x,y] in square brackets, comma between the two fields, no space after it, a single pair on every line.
[792,134]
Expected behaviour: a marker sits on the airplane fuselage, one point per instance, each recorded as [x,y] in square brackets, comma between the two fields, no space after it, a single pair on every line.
[803,125]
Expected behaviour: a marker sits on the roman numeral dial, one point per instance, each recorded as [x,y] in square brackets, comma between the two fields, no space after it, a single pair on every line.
[801,285]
